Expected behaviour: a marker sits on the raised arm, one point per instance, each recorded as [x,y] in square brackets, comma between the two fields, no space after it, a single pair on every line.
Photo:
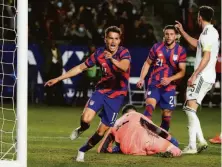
[122,64]
[192,41]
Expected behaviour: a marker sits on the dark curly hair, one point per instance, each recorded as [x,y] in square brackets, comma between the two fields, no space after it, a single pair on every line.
[128,107]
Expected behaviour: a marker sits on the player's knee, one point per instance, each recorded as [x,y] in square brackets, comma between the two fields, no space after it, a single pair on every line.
[151,101]
[190,105]
[101,132]
[86,118]
[102,129]
[167,112]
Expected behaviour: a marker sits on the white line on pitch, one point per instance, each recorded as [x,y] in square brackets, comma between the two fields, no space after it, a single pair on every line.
[63,137]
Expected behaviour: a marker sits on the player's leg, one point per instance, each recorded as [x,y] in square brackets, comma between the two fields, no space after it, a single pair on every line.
[194,96]
[93,140]
[190,108]
[152,98]
[167,104]
[93,105]
[111,108]
[166,119]
[202,145]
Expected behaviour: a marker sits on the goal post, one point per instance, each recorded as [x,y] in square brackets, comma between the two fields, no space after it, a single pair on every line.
[21,75]
[22,81]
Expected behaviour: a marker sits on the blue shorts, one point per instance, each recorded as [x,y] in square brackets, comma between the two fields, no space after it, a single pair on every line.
[109,107]
[166,99]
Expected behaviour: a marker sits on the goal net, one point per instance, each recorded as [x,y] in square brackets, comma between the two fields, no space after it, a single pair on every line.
[13,83]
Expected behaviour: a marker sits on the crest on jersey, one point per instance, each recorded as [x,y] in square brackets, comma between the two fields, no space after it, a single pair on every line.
[149,93]
[175,57]
[91,102]
[160,54]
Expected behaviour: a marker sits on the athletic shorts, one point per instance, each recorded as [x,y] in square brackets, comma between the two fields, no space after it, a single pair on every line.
[199,90]
[166,99]
[109,107]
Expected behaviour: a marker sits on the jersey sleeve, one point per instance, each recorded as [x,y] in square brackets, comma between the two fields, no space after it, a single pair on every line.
[152,55]
[183,56]
[91,61]
[206,41]
[125,55]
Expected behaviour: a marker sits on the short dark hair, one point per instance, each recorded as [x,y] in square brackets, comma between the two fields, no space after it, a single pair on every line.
[128,107]
[170,27]
[113,29]
[206,12]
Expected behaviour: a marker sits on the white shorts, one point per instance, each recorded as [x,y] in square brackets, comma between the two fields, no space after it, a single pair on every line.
[198,90]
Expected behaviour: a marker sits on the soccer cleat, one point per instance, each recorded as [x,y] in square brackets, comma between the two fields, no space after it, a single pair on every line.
[202,146]
[216,140]
[80,156]
[189,150]
[75,134]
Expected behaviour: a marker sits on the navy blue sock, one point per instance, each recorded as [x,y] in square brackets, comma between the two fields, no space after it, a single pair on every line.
[174,141]
[83,126]
[91,142]
[165,122]
[149,111]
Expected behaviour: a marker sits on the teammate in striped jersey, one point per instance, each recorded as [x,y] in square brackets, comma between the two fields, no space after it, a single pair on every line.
[167,60]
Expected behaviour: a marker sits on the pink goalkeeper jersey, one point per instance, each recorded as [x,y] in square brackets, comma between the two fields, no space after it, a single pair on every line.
[135,139]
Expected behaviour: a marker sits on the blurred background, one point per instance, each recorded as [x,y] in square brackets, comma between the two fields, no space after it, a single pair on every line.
[63,33]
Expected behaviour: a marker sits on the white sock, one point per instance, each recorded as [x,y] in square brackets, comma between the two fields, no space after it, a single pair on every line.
[200,136]
[192,127]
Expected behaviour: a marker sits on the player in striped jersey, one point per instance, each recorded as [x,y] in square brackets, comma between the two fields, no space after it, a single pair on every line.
[168,61]
[114,60]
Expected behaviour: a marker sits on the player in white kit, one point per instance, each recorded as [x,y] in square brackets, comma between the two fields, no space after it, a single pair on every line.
[203,77]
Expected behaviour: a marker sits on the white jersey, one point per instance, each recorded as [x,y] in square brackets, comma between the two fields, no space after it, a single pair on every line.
[208,41]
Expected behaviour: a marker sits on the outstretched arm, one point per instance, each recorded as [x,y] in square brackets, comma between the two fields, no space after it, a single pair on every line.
[71,73]
[158,130]
[106,144]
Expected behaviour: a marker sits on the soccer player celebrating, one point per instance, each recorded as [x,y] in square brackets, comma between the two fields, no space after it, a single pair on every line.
[168,61]
[114,61]
[203,76]
[135,134]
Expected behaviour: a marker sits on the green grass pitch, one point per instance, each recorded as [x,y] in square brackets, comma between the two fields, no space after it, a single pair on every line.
[49,145]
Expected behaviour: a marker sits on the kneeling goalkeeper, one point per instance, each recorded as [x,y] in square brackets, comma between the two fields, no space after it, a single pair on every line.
[135,134]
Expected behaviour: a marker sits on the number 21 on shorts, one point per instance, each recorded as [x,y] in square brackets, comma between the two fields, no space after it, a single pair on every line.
[172,101]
